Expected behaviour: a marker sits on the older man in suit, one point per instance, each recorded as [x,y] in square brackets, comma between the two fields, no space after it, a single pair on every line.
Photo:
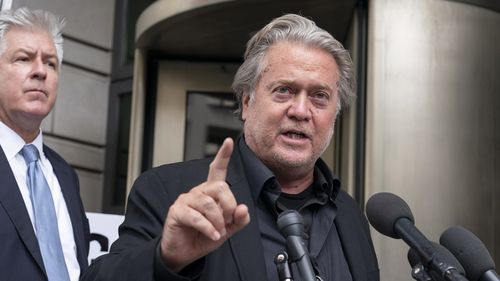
[44,233]
[216,219]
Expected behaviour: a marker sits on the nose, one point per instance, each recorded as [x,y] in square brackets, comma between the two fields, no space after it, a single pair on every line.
[299,108]
[38,69]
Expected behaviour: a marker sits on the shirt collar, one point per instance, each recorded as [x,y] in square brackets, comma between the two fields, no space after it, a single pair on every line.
[325,180]
[12,143]
[256,172]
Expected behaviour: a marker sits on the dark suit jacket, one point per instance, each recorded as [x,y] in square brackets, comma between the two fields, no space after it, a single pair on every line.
[20,257]
[134,256]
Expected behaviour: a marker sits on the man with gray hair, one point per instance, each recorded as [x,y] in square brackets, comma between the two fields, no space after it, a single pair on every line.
[44,231]
[216,219]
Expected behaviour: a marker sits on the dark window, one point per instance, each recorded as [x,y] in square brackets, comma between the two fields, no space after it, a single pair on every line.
[209,120]
[115,176]
[117,147]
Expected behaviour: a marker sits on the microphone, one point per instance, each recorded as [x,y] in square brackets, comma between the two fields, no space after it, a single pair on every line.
[291,226]
[391,216]
[418,271]
[416,264]
[471,252]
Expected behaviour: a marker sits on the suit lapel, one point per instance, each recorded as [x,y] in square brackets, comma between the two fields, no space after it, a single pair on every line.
[13,204]
[350,241]
[245,245]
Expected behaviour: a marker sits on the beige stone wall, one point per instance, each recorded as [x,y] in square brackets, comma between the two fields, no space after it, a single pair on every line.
[433,127]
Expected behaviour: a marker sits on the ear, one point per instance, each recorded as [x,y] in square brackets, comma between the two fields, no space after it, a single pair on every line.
[245,100]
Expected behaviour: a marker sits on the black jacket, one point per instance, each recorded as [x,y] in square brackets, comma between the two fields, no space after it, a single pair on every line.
[134,255]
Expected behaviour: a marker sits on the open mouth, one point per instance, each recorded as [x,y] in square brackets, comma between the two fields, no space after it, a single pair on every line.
[295,135]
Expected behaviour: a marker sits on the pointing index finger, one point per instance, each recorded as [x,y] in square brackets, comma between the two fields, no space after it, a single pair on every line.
[218,168]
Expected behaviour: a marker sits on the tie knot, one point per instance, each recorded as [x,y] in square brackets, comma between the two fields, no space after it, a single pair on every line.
[30,153]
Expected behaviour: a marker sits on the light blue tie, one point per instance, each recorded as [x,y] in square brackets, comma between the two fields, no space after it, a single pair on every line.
[44,212]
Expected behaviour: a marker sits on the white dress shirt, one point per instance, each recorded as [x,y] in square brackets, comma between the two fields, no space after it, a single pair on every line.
[12,144]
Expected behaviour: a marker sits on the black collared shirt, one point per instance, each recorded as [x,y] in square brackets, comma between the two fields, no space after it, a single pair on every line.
[316,206]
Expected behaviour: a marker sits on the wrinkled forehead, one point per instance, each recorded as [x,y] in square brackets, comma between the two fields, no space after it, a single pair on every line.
[29,38]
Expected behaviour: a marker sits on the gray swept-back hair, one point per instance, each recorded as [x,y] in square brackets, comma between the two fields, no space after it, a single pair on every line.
[292,28]
[25,18]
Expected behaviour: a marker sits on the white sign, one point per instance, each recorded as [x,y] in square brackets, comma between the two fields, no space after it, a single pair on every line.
[103,232]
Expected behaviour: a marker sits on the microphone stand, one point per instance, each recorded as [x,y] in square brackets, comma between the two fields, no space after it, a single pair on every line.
[285,272]
[281,261]
[419,273]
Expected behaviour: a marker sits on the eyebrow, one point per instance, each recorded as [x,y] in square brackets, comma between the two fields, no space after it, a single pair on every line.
[32,52]
[45,55]
[320,86]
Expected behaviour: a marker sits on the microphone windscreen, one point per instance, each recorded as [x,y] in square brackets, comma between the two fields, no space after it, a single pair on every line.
[469,250]
[384,209]
[290,223]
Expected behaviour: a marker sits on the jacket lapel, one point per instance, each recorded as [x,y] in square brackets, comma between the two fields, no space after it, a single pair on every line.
[348,231]
[13,204]
[245,245]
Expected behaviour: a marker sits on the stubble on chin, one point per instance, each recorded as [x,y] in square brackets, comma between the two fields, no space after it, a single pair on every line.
[290,165]
[295,163]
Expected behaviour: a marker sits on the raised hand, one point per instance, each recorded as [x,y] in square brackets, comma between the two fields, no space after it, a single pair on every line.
[201,220]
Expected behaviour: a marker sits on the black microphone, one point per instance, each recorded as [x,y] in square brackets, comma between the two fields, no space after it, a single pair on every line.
[391,216]
[471,252]
[415,262]
[291,226]
[418,271]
